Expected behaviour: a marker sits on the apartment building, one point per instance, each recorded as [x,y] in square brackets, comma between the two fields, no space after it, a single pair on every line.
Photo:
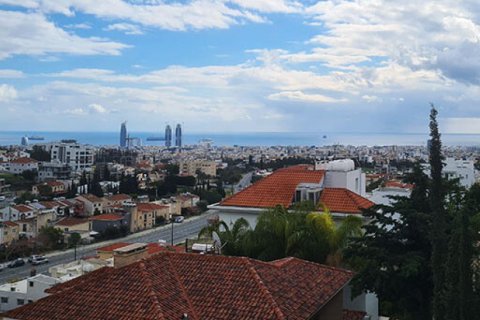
[191,167]
[78,156]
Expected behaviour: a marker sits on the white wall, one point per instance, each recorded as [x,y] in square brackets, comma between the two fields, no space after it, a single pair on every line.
[352,180]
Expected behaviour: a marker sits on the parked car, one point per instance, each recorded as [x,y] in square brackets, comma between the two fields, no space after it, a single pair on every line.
[39,260]
[16,263]
[31,258]
[179,219]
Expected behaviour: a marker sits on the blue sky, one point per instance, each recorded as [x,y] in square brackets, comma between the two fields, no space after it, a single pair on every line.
[239,65]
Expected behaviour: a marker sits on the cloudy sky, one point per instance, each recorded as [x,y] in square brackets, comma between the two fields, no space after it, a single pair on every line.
[239,65]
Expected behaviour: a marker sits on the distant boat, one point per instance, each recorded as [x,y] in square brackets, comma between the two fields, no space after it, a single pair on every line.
[36,138]
[324,137]
[155,139]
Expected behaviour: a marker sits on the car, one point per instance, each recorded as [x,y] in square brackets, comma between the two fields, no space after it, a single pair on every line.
[39,260]
[2,198]
[179,219]
[16,263]
[32,257]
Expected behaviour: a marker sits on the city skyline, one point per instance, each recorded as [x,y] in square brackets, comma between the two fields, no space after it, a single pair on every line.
[240,66]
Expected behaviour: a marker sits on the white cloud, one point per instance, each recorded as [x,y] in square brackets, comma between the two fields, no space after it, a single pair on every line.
[33,34]
[97,108]
[9,73]
[84,26]
[7,93]
[371,99]
[300,96]
[270,5]
[461,125]
[126,28]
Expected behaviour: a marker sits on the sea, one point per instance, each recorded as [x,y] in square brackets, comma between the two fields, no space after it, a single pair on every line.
[248,139]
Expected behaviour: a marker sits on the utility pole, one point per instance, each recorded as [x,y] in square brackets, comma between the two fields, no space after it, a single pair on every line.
[171,221]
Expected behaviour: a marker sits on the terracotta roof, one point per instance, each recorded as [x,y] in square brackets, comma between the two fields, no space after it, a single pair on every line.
[23,208]
[353,315]
[24,160]
[153,248]
[168,285]
[398,184]
[277,188]
[55,184]
[10,224]
[91,197]
[149,207]
[119,197]
[70,221]
[50,204]
[107,217]
[341,200]
[113,246]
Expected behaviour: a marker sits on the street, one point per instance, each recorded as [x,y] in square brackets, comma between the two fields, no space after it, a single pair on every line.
[243,183]
[187,229]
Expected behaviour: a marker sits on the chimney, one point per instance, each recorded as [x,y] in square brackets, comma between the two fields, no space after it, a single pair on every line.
[129,254]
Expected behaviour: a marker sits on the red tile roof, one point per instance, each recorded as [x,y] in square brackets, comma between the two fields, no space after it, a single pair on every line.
[153,248]
[341,200]
[113,246]
[91,197]
[398,184]
[168,285]
[55,184]
[70,221]
[22,208]
[24,160]
[107,217]
[119,197]
[147,207]
[10,224]
[277,188]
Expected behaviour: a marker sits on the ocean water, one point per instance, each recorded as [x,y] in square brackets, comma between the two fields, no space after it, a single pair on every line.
[250,139]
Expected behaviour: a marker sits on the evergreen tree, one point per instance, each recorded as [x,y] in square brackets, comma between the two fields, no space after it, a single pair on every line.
[438,234]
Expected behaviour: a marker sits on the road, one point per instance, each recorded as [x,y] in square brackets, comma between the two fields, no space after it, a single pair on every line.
[243,183]
[187,229]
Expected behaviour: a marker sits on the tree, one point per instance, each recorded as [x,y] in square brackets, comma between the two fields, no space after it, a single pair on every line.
[74,240]
[439,221]
[231,238]
[393,256]
[53,237]
[40,154]
[29,175]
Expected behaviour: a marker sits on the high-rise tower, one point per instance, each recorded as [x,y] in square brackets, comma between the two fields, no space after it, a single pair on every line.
[123,135]
[168,136]
[178,136]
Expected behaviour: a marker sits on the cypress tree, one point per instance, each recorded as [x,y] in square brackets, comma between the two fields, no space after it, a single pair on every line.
[439,224]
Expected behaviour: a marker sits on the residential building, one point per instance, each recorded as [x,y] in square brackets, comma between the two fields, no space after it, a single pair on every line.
[19,165]
[21,211]
[54,170]
[292,185]
[78,156]
[191,167]
[108,220]
[187,200]
[19,293]
[92,204]
[145,214]
[193,286]
[460,169]
[117,200]
[4,187]
[71,225]
[50,188]
[9,232]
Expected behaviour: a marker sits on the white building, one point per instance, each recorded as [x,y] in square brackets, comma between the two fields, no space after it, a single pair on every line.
[463,170]
[15,294]
[78,156]
[342,174]
[19,165]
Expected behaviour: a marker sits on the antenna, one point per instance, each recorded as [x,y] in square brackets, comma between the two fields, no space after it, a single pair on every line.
[217,242]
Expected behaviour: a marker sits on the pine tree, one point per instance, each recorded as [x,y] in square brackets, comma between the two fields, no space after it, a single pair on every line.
[438,235]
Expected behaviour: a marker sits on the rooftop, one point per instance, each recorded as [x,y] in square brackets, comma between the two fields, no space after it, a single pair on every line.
[277,188]
[107,217]
[168,285]
[341,200]
[70,221]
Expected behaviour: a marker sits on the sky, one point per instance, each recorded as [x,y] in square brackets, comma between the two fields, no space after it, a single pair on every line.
[239,65]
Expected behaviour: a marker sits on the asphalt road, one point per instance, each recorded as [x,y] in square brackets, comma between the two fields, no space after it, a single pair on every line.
[243,183]
[187,229]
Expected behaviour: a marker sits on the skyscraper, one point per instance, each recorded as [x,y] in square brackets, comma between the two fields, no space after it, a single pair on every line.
[123,135]
[168,136]
[178,136]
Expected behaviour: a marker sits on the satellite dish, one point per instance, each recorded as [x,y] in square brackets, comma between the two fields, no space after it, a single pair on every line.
[217,243]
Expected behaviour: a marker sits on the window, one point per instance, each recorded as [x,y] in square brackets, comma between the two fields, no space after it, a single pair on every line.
[20,302]
[4,300]
[30,301]
[30,283]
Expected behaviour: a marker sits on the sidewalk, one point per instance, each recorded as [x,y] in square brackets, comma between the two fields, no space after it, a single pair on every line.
[129,237]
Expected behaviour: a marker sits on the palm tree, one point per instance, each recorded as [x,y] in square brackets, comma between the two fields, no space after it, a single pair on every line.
[330,238]
[231,238]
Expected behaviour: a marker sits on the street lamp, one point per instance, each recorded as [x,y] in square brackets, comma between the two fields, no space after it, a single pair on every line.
[171,221]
